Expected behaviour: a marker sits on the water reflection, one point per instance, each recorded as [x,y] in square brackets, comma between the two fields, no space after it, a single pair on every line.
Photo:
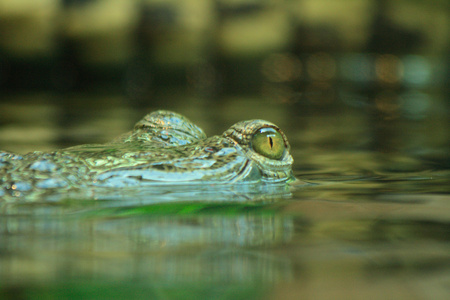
[47,242]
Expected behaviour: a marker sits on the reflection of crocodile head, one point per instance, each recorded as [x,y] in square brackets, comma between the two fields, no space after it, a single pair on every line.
[164,148]
[213,241]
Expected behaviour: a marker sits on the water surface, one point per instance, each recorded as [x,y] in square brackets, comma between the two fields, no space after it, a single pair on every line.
[369,216]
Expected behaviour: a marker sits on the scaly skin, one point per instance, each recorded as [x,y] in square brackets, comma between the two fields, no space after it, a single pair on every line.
[164,148]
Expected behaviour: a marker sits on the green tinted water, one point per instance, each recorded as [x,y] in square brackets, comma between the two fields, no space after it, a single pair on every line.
[368,219]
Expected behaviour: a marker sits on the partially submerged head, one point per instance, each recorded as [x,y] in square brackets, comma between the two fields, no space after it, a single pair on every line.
[166,147]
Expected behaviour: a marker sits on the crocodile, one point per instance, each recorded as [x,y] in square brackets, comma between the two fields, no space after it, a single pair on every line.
[164,148]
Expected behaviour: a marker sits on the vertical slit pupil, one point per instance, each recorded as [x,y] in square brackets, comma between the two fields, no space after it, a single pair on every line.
[271,142]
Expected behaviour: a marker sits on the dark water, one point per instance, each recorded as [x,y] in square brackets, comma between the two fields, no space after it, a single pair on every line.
[370,217]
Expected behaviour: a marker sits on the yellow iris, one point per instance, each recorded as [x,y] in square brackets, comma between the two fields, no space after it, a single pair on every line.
[269,143]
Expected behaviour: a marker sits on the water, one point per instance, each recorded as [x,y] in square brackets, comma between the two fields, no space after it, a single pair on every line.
[369,217]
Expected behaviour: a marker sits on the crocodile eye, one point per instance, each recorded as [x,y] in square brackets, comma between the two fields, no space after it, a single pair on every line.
[269,143]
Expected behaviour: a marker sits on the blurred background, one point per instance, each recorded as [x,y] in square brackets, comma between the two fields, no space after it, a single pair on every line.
[360,74]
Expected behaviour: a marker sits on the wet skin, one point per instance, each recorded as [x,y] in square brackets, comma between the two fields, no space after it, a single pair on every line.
[163,148]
